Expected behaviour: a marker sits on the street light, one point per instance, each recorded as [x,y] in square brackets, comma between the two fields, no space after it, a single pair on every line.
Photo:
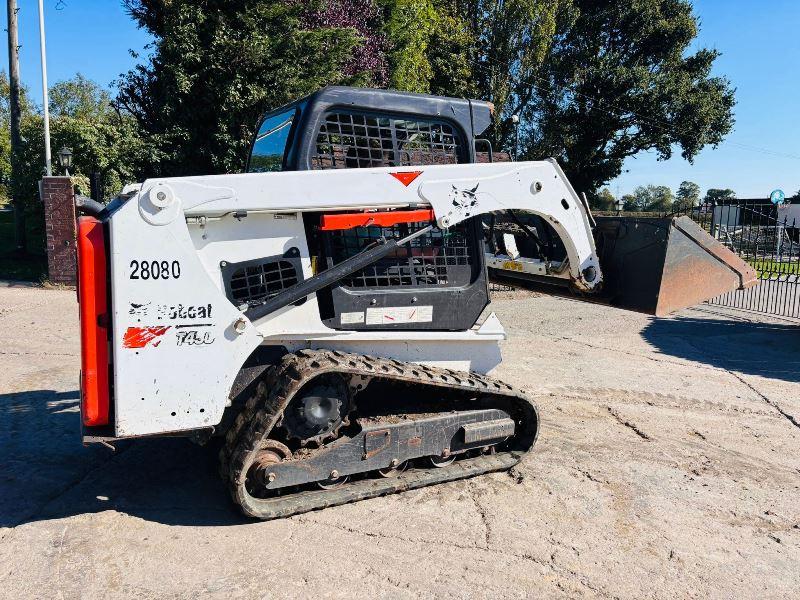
[65,159]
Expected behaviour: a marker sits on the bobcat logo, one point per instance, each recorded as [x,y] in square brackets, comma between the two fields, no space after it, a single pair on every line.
[464,200]
[139,310]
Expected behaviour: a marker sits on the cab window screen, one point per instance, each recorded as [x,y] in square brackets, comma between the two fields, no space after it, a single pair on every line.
[351,140]
[271,141]
[439,258]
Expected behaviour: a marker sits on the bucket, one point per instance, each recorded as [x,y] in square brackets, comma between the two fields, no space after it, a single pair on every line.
[659,265]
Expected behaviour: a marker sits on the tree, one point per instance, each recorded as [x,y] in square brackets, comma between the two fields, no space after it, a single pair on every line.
[110,146]
[450,53]
[652,198]
[688,194]
[603,200]
[80,98]
[717,195]
[410,26]
[367,64]
[508,41]
[216,67]
[629,203]
[620,78]
[26,107]
[487,49]
[101,139]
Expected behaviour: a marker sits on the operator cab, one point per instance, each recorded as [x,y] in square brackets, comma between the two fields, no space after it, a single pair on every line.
[343,127]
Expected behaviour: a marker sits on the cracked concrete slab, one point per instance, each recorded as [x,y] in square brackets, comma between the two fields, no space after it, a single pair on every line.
[667,466]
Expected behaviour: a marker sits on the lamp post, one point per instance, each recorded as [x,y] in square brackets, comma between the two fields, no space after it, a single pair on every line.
[65,159]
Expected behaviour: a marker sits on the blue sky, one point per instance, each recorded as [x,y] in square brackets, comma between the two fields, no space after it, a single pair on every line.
[87,36]
[760,49]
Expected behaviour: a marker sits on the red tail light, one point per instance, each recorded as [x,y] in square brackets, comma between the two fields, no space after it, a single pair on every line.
[93,308]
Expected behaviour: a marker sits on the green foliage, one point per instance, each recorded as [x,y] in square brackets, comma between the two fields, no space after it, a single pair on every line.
[651,198]
[216,67]
[717,195]
[629,203]
[260,163]
[450,56]
[83,120]
[492,49]
[593,82]
[486,49]
[80,98]
[410,26]
[111,146]
[603,200]
[765,267]
[513,38]
[620,77]
[5,132]
[688,194]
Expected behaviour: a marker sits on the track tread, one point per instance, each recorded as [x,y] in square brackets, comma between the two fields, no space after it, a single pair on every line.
[264,408]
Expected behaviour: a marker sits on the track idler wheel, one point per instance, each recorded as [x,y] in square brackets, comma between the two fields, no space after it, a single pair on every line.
[441,461]
[394,469]
[334,481]
[268,456]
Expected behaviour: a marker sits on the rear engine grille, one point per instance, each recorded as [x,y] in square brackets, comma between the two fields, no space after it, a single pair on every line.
[437,258]
[255,282]
[352,140]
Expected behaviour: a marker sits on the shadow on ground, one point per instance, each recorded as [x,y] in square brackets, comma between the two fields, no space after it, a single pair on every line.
[765,349]
[47,473]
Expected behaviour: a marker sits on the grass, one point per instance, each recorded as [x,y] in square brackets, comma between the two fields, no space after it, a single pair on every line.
[768,267]
[30,265]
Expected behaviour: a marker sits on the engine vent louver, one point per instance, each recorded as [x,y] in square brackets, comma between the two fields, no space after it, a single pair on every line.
[254,281]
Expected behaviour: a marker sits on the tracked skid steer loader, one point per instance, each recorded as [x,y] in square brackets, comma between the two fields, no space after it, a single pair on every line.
[323,311]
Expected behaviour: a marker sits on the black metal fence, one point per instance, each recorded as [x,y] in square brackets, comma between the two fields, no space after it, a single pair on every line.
[768,237]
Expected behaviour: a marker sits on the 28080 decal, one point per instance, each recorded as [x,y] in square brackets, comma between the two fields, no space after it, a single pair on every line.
[155,269]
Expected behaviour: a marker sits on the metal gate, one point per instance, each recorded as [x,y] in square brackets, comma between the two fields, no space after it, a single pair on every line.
[767,236]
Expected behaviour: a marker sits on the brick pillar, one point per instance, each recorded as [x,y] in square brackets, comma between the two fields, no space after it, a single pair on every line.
[59,221]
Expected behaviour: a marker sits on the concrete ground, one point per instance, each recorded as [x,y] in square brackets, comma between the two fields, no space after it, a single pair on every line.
[667,466]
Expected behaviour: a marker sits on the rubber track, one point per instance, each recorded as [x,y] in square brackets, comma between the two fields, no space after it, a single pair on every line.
[282,381]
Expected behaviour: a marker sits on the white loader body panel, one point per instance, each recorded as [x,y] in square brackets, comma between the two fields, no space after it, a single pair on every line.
[179,342]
